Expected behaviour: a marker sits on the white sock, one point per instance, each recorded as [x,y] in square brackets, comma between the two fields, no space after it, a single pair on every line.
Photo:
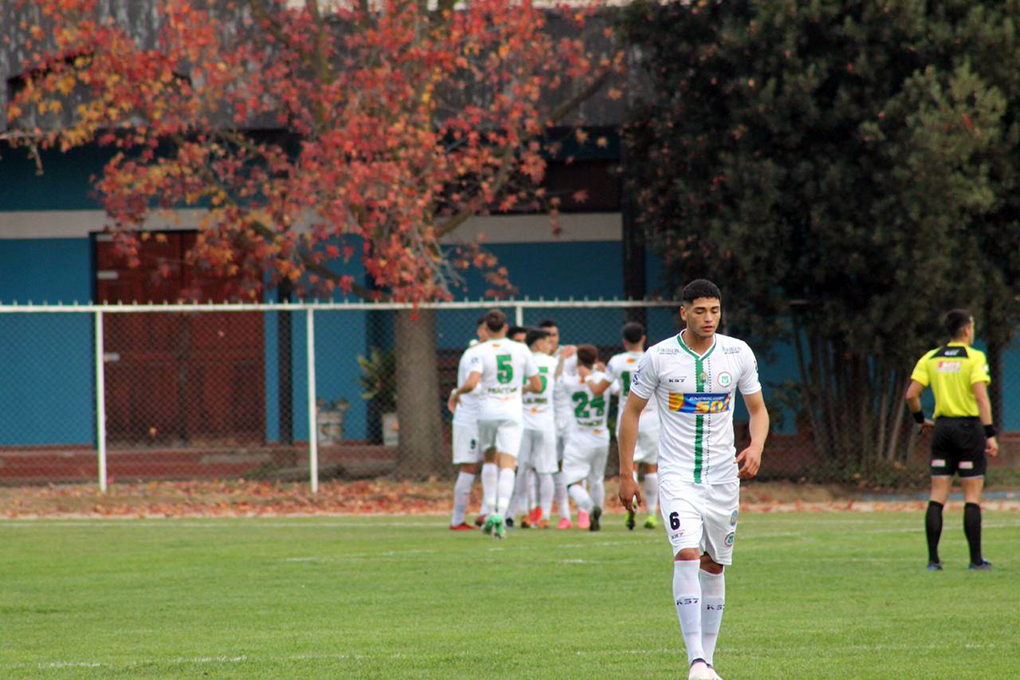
[562,502]
[687,596]
[519,493]
[652,492]
[597,486]
[490,478]
[461,496]
[546,488]
[580,497]
[505,488]
[713,602]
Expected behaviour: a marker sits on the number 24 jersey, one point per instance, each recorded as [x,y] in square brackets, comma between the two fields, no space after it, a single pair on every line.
[694,394]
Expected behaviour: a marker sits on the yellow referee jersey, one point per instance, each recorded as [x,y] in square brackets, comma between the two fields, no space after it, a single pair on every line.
[951,371]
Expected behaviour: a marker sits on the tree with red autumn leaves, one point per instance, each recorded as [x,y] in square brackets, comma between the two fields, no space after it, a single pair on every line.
[316,134]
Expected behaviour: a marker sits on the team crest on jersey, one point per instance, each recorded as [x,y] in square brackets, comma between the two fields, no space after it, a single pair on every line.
[725,379]
[733,518]
[729,538]
[699,403]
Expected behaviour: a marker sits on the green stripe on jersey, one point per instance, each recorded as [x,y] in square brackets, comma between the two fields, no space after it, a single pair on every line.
[699,423]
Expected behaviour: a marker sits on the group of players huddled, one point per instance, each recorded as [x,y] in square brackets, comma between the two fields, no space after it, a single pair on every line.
[526,408]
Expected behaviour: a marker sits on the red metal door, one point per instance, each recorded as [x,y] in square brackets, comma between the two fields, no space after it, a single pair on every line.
[177,378]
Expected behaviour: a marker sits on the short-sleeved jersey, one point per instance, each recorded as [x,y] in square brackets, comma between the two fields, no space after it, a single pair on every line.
[620,370]
[694,394]
[589,414]
[951,371]
[538,406]
[504,365]
[466,412]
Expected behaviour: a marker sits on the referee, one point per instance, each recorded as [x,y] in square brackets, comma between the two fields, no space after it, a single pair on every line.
[958,375]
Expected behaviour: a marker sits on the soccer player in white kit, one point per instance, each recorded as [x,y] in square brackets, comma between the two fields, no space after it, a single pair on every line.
[538,446]
[693,377]
[506,368]
[466,452]
[619,375]
[562,408]
[587,449]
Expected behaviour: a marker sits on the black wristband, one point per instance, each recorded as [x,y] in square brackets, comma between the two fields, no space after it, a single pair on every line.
[989,431]
[919,417]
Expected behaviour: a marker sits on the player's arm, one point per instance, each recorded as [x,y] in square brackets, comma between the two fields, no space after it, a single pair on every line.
[913,399]
[985,411]
[749,460]
[534,382]
[630,492]
[598,387]
[471,383]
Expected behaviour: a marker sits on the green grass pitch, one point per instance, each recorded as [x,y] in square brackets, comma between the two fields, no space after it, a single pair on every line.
[831,595]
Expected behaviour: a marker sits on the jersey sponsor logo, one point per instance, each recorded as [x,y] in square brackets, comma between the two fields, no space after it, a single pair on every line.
[667,350]
[725,379]
[952,352]
[700,403]
[676,380]
[731,350]
[938,462]
[684,601]
[733,518]
[949,366]
[966,465]
[631,360]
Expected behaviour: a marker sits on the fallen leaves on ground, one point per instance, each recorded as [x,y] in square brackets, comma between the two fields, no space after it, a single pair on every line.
[240,498]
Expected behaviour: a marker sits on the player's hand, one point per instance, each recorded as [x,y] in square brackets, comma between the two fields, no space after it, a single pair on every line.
[600,366]
[568,351]
[992,447]
[453,401]
[630,493]
[926,427]
[749,461]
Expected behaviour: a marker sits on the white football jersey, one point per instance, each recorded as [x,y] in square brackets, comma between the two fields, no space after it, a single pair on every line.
[694,395]
[504,365]
[466,412]
[620,371]
[589,414]
[563,406]
[538,406]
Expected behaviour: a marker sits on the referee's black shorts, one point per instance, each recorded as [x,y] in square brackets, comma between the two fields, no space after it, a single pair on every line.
[958,446]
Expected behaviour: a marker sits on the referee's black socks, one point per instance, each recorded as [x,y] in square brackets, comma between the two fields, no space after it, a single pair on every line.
[933,530]
[972,529]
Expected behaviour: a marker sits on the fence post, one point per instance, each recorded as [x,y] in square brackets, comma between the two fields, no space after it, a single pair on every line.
[519,315]
[100,401]
[313,428]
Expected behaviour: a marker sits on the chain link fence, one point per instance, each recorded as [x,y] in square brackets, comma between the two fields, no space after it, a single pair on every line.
[135,393]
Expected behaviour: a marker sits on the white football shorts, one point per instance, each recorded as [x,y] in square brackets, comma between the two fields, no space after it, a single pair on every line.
[504,435]
[538,450]
[581,460]
[646,450]
[702,516]
[465,445]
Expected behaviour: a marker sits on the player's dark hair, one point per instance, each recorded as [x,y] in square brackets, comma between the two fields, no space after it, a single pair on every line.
[700,288]
[956,321]
[514,330]
[548,323]
[534,335]
[495,320]
[587,355]
[633,332]
[480,321]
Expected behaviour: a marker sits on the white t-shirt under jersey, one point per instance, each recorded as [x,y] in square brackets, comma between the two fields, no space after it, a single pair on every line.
[504,365]
[588,412]
[694,395]
[620,371]
[466,413]
[538,406]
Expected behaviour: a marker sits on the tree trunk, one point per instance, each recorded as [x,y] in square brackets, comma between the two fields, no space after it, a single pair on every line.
[422,453]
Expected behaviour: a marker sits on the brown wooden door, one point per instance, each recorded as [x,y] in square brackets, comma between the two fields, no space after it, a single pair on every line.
[177,378]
